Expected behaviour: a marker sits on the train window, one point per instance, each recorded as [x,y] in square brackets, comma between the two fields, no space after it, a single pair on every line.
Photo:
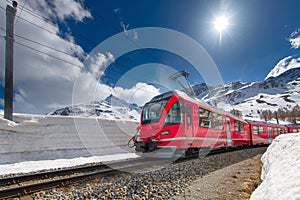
[188,115]
[239,126]
[276,131]
[208,119]
[281,131]
[204,118]
[255,130]
[217,121]
[242,127]
[295,131]
[152,112]
[175,115]
[258,130]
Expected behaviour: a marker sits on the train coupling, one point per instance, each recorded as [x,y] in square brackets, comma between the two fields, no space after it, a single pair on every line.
[145,147]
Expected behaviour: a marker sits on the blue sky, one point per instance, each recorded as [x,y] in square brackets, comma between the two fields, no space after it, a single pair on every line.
[260,34]
[256,39]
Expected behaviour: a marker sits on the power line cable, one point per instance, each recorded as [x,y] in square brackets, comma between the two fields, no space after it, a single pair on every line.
[54,33]
[41,44]
[126,36]
[32,48]
[78,36]
[21,11]
[74,34]
[50,55]
[73,64]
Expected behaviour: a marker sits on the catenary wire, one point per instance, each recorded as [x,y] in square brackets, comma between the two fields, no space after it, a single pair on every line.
[109,69]
[73,33]
[73,64]
[22,8]
[99,15]
[63,60]
[78,36]
[41,44]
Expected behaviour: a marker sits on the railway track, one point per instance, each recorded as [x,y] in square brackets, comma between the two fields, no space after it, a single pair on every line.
[27,184]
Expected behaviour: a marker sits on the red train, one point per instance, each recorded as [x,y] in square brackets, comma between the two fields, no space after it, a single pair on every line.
[174,122]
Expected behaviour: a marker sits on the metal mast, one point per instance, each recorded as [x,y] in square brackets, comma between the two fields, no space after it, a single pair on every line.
[9,60]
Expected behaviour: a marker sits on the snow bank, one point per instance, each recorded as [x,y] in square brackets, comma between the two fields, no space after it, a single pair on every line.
[58,137]
[281,170]
[32,166]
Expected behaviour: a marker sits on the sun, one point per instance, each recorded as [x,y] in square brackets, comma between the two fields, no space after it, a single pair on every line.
[221,23]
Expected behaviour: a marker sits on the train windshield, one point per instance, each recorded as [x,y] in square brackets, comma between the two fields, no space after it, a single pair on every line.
[152,112]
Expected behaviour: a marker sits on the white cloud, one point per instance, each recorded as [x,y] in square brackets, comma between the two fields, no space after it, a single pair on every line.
[61,10]
[139,94]
[88,89]
[295,39]
[98,63]
[117,10]
[41,81]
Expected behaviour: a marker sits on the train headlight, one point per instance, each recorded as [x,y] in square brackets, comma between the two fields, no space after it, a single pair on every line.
[167,132]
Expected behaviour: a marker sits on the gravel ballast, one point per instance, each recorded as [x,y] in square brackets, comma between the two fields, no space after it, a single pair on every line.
[236,181]
[170,182]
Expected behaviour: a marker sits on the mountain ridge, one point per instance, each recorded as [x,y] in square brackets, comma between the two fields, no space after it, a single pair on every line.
[282,91]
[109,108]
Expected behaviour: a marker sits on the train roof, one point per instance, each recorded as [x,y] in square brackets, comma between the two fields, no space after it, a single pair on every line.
[163,96]
[265,123]
[194,100]
[293,125]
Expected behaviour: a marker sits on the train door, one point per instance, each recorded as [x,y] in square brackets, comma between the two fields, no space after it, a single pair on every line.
[188,121]
[229,140]
[270,134]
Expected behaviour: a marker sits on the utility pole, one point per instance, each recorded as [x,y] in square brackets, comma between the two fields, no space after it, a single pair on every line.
[9,60]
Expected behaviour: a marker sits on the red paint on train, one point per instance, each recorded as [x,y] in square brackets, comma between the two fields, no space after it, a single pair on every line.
[175,121]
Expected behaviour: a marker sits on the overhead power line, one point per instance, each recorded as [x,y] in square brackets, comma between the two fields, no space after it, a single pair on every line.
[74,34]
[72,64]
[41,44]
[52,56]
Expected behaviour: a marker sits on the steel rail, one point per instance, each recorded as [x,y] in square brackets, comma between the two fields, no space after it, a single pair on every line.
[106,170]
[11,185]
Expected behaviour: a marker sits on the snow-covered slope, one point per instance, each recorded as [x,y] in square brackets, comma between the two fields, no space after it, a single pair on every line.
[280,171]
[282,91]
[284,65]
[110,108]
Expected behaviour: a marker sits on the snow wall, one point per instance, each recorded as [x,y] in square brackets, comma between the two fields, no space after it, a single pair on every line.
[48,137]
[281,170]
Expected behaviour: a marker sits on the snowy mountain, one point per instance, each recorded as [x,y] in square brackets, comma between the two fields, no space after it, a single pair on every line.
[282,91]
[109,108]
[284,65]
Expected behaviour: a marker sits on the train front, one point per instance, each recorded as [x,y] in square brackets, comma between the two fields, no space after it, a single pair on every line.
[155,127]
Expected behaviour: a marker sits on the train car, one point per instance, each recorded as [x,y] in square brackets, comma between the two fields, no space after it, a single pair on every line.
[293,128]
[239,131]
[264,133]
[174,122]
